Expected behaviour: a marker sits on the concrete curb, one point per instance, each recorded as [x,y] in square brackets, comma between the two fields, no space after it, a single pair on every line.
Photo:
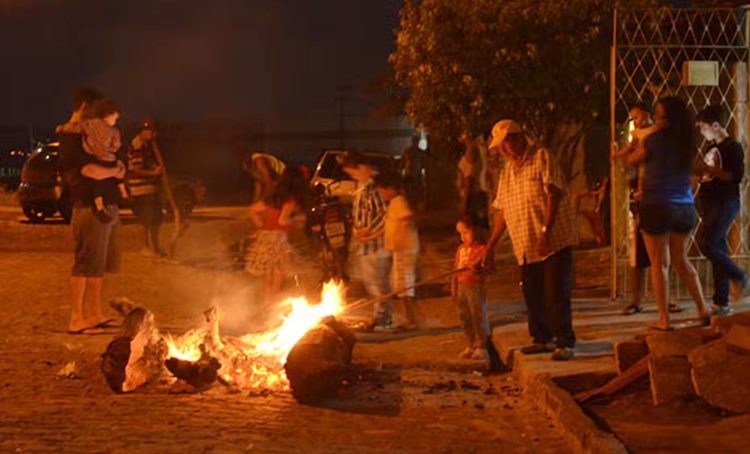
[582,433]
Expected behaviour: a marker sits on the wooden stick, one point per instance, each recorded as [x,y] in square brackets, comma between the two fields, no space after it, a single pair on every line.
[170,198]
[632,374]
[378,299]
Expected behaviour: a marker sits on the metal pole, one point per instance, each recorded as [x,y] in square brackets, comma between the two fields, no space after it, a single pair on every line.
[613,237]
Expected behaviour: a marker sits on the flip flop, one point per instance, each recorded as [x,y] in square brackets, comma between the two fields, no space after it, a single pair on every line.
[675,309]
[661,328]
[632,310]
[89,331]
[106,323]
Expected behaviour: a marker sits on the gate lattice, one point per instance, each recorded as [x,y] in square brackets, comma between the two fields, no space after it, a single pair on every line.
[649,48]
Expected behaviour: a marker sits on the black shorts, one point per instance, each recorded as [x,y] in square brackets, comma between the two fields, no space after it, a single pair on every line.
[662,218]
[147,209]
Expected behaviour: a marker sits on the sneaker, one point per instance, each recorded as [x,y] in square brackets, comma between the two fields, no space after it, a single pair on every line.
[721,311]
[467,353]
[536,348]
[563,354]
[480,354]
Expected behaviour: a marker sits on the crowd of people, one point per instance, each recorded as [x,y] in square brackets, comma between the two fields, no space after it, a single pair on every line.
[531,203]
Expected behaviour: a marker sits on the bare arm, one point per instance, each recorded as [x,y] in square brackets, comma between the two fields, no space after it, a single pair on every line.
[554,194]
[257,210]
[498,229]
[638,155]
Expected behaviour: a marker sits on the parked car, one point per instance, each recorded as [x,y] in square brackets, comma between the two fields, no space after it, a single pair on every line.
[330,176]
[42,193]
[11,163]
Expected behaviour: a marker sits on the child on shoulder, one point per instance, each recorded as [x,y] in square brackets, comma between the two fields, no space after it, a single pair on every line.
[402,240]
[469,292]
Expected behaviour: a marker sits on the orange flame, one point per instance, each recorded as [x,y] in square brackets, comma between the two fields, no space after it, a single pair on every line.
[256,360]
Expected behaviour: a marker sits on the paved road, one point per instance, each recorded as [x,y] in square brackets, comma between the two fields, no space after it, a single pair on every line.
[399,408]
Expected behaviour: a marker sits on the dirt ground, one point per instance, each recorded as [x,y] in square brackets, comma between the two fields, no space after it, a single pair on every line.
[399,406]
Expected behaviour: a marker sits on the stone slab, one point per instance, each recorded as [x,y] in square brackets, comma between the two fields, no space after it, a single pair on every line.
[738,338]
[720,376]
[670,379]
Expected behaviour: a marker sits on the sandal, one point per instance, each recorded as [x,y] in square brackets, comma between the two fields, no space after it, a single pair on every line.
[632,309]
[89,331]
[106,323]
[675,309]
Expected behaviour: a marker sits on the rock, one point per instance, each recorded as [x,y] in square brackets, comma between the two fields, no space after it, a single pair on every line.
[738,338]
[670,379]
[629,352]
[720,376]
[724,324]
[317,363]
[677,343]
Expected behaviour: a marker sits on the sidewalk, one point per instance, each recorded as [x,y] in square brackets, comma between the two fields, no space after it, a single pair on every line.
[631,426]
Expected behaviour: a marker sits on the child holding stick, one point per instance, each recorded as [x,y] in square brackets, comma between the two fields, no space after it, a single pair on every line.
[469,292]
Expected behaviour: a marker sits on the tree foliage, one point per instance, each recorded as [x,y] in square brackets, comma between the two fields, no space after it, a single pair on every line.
[467,64]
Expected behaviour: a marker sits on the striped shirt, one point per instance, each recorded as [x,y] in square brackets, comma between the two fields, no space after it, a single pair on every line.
[141,157]
[368,211]
[521,196]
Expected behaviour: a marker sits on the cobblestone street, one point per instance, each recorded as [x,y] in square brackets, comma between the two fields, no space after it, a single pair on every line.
[400,408]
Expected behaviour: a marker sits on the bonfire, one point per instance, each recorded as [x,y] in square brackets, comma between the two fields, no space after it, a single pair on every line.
[256,361]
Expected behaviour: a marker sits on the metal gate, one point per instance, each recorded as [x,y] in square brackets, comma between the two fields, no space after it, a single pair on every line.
[647,56]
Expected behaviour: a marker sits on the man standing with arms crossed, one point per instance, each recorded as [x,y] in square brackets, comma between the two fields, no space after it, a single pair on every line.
[533,204]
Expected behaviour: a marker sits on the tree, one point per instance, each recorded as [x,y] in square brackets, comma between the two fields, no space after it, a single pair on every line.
[470,63]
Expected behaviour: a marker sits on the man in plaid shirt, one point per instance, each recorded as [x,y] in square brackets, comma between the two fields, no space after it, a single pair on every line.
[533,204]
[368,212]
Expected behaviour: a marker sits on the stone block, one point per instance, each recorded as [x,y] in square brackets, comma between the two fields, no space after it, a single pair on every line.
[674,343]
[724,324]
[738,338]
[629,352]
[670,379]
[720,376]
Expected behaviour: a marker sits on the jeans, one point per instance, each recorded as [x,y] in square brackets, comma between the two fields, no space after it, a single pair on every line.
[472,307]
[547,287]
[717,219]
[374,270]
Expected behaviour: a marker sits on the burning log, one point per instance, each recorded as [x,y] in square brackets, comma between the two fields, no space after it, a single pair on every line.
[317,363]
[136,356]
[200,374]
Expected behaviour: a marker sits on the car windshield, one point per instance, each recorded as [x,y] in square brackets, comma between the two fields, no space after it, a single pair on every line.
[331,170]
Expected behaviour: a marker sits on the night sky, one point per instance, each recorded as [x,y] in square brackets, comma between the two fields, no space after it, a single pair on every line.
[277,61]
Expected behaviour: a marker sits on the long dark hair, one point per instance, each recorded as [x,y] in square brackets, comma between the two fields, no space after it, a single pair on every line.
[680,128]
[292,185]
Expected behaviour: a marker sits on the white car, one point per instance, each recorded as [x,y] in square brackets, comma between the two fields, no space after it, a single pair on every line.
[330,175]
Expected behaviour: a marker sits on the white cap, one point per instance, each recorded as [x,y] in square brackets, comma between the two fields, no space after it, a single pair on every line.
[501,129]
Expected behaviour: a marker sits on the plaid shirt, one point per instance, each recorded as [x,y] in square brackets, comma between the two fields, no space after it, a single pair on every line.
[368,211]
[522,195]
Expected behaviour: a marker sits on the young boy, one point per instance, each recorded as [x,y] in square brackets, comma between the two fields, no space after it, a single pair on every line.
[719,202]
[469,292]
[401,239]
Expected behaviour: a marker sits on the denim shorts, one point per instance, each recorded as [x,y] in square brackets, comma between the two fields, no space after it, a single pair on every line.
[662,218]
[96,245]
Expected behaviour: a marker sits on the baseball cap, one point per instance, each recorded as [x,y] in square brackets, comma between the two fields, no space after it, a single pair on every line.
[501,129]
